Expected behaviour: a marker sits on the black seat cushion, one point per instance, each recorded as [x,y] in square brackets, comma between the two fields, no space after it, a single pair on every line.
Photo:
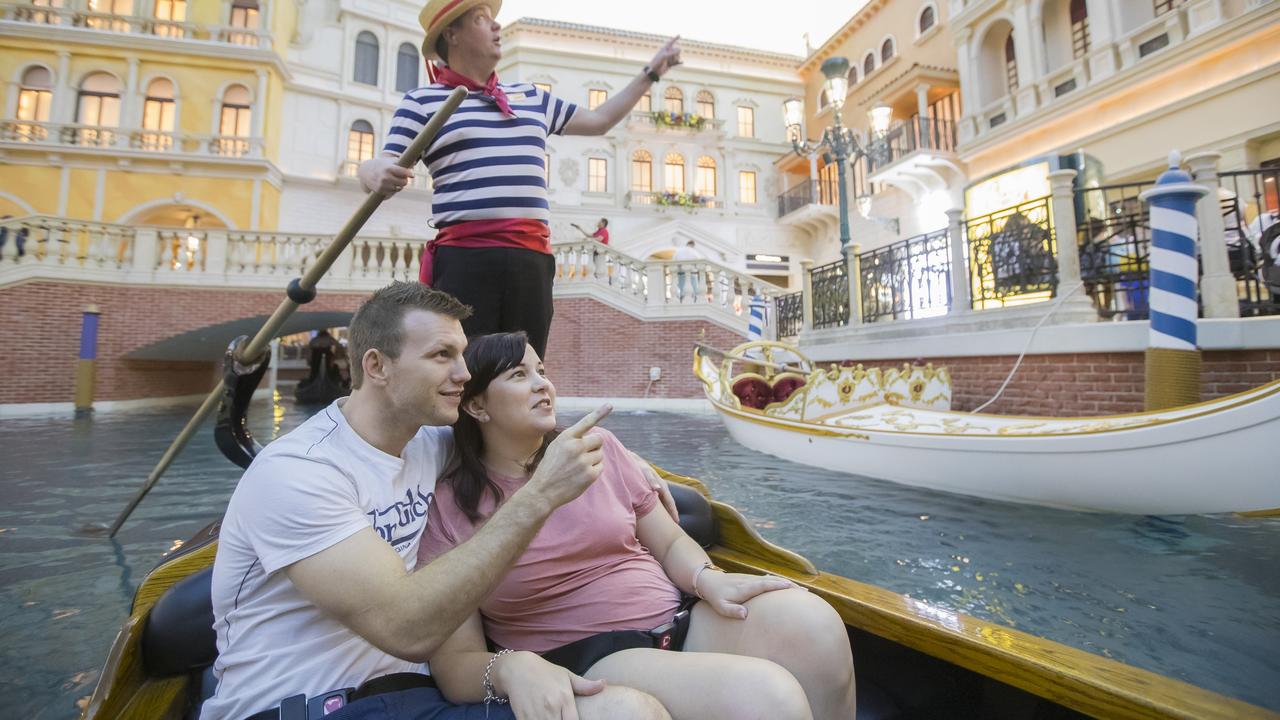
[696,517]
[179,636]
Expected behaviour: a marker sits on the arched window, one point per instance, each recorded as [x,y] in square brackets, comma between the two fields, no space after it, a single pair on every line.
[673,101]
[928,17]
[673,167]
[852,77]
[359,143]
[886,50]
[245,15]
[170,15]
[1079,28]
[366,69]
[158,115]
[824,99]
[646,102]
[236,121]
[1010,64]
[868,64]
[406,68]
[706,104]
[705,181]
[35,95]
[98,104]
[109,15]
[641,171]
[35,98]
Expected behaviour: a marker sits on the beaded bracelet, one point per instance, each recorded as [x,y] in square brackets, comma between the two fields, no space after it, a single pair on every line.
[490,692]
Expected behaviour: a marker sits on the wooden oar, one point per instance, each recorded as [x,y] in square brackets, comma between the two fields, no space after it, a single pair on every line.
[250,353]
[773,366]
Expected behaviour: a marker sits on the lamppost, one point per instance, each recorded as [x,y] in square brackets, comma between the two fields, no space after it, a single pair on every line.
[840,140]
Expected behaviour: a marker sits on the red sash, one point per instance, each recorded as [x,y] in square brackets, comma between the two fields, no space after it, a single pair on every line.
[516,232]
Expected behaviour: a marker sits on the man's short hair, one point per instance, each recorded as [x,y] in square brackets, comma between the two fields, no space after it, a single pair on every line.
[379,322]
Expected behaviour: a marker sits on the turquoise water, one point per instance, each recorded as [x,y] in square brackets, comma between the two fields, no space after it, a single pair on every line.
[1196,598]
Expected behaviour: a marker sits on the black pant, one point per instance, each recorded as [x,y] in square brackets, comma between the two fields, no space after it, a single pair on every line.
[508,289]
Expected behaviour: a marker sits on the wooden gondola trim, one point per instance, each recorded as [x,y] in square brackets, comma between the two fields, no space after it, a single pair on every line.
[1070,677]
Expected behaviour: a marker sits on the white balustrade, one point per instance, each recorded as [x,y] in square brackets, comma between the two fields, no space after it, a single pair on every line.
[127,140]
[72,17]
[48,241]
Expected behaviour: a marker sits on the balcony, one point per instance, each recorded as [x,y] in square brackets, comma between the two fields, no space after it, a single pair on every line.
[76,20]
[660,121]
[916,155]
[805,206]
[663,200]
[23,134]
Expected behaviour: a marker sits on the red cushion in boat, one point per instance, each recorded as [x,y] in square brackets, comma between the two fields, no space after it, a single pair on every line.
[753,392]
[783,387]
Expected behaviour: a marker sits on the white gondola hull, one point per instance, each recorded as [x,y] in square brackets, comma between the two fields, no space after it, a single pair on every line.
[1215,457]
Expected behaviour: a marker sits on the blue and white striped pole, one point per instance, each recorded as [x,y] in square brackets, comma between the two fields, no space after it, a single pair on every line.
[755,325]
[1173,358]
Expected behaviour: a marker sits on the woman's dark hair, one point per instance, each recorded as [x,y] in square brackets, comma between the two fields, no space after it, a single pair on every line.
[487,358]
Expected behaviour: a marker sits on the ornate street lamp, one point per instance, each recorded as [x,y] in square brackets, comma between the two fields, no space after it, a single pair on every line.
[839,140]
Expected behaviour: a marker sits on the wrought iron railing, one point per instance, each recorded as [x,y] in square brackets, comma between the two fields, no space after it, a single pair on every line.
[790,314]
[918,133]
[803,193]
[830,295]
[1251,218]
[1114,238]
[908,279]
[1012,255]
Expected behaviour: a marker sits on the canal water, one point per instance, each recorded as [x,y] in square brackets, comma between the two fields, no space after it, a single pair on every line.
[1193,597]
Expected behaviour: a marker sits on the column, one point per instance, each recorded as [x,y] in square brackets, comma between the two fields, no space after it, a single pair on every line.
[145,256]
[1077,307]
[806,297]
[853,268]
[130,115]
[927,130]
[1102,57]
[260,110]
[1218,291]
[85,370]
[64,106]
[960,292]
[655,279]
[967,124]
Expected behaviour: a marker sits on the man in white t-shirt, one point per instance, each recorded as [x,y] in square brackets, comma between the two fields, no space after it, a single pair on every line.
[685,252]
[314,589]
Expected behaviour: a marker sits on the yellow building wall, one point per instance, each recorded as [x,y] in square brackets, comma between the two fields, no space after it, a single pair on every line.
[127,191]
[35,185]
[269,210]
[1197,105]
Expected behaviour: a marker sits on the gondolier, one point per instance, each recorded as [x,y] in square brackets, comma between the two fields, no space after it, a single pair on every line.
[492,249]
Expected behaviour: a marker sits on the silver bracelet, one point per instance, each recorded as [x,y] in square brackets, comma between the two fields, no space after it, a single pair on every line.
[490,692]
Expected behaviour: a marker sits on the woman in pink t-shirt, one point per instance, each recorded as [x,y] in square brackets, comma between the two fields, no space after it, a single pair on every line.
[758,647]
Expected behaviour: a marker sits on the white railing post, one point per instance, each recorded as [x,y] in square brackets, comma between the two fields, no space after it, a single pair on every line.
[215,257]
[806,298]
[960,298]
[853,268]
[146,246]
[655,278]
[1218,291]
[1063,200]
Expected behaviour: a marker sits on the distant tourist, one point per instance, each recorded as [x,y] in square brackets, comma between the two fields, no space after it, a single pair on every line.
[601,233]
[685,252]
[19,238]
[492,249]
[610,584]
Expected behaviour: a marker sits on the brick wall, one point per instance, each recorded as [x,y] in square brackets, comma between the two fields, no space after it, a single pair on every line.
[597,351]
[1087,383]
[40,325]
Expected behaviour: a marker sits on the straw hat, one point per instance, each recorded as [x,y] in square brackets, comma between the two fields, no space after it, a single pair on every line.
[437,15]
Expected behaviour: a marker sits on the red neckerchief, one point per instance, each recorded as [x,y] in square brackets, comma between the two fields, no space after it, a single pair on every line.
[524,233]
[443,75]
